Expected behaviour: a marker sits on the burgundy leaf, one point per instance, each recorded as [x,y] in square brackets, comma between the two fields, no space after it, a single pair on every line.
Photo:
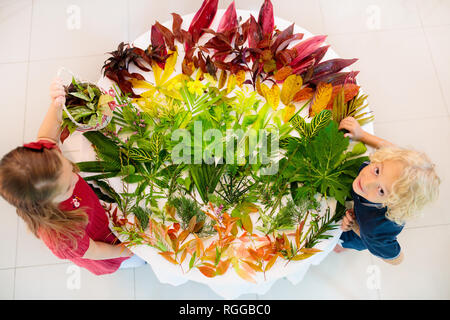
[167,34]
[176,27]
[254,33]
[285,43]
[331,66]
[337,78]
[266,20]
[301,67]
[319,54]
[282,36]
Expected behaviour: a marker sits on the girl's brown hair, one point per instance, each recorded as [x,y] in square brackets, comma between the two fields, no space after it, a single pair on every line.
[28,181]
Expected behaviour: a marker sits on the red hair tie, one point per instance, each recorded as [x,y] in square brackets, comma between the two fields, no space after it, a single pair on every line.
[40,145]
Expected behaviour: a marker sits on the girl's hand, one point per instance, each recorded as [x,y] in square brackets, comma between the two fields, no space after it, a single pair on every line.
[355,131]
[348,221]
[57,93]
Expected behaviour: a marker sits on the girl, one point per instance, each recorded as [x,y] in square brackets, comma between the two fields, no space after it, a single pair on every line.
[58,206]
[388,191]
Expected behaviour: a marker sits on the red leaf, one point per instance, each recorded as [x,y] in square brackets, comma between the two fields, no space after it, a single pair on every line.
[202,19]
[266,20]
[307,47]
[229,20]
[158,44]
[64,134]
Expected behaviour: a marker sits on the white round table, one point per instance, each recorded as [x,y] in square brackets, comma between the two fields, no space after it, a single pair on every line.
[229,285]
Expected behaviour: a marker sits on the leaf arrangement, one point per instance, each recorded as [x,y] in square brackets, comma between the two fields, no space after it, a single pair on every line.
[216,213]
[87,105]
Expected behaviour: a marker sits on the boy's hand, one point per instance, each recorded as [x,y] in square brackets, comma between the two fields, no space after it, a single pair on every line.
[57,93]
[348,221]
[355,131]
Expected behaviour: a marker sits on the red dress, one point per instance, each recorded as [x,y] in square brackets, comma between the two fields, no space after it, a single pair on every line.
[97,229]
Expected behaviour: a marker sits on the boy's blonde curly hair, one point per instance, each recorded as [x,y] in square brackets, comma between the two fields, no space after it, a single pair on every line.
[417,185]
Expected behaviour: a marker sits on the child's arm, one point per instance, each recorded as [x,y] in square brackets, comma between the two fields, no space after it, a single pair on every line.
[355,132]
[349,223]
[51,126]
[100,250]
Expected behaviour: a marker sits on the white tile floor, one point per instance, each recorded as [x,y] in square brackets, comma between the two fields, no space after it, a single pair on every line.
[403,48]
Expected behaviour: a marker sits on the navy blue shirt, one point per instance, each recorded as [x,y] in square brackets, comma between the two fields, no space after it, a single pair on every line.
[378,233]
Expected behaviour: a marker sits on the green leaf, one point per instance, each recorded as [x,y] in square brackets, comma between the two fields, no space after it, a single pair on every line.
[80,95]
[321,163]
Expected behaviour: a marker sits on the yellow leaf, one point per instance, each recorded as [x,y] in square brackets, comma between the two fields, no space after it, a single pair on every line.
[157,71]
[291,86]
[247,223]
[141,84]
[288,112]
[302,256]
[240,78]
[231,83]
[272,95]
[169,67]
[320,98]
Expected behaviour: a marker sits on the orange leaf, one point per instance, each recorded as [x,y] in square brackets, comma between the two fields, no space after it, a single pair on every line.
[350,91]
[283,73]
[258,87]
[271,262]
[183,235]
[183,256]
[192,223]
[310,250]
[248,268]
[213,217]
[222,267]
[222,79]
[255,255]
[255,267]
[242,273]
[207,271]
[297,237]
[240,77]
[288,112]
[304,94]
[321,98]
[168,256]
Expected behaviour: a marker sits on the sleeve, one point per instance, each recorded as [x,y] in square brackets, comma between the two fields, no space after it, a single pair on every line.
[64,249]
[382,246]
